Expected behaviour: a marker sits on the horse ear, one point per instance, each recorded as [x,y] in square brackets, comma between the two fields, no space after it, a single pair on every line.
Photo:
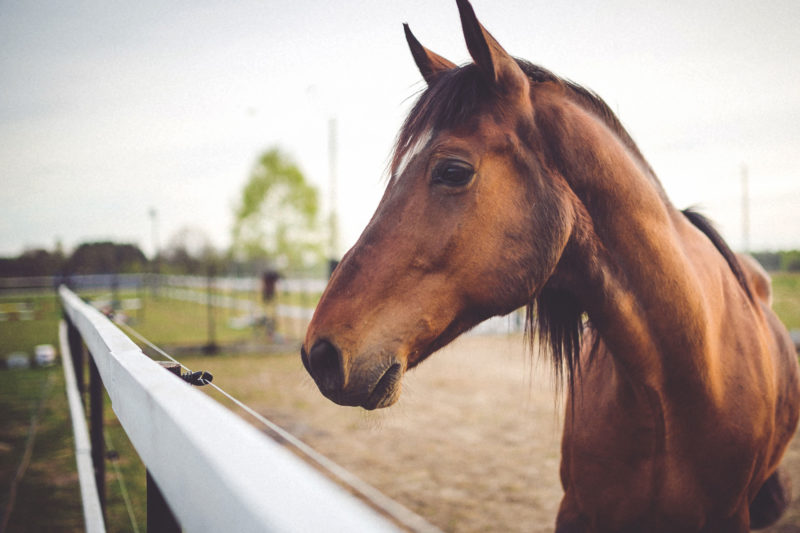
[429,64]
[487,53]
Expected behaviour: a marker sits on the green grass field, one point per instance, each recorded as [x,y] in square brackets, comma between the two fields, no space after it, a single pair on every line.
[786,298]
[176,323]
[50,481]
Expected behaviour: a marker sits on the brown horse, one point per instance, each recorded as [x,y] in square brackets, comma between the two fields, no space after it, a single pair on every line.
[511,186]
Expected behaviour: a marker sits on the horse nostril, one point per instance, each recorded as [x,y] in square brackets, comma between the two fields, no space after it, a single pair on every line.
[326,367]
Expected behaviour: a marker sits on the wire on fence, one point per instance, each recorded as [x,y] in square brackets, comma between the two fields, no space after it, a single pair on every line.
[121,481]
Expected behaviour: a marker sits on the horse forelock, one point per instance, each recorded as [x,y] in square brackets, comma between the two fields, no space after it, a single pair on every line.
[453,98]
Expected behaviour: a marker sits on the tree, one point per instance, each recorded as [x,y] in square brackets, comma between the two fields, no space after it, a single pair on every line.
[771,261]
[34,262]
[276,221]
[106,258]
[790,261]
[189,251]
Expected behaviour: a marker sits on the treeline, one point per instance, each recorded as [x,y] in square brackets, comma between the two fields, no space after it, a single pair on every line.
[114,258]
[88,258]
[110,258]
[787,261]
[103,258]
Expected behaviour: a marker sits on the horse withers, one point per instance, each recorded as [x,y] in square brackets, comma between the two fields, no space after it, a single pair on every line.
[511,187]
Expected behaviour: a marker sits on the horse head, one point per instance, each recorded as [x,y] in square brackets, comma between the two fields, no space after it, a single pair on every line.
[471,225]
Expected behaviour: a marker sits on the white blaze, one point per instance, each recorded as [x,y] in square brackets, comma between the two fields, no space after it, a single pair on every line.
[419,144]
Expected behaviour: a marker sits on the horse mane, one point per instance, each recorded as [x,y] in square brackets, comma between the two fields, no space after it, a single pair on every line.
[557,318]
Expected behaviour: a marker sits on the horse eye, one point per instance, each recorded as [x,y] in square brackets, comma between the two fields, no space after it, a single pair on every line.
[453,173]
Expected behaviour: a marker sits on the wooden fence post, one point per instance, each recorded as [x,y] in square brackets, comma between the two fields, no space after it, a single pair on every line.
[96,431]
[211,347]
[78,351]
[160,518]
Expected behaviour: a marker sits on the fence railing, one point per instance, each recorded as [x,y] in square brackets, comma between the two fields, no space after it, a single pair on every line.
[215,471]
[135,281]
[90,497]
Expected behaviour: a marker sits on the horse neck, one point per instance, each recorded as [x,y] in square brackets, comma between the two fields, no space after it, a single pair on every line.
[626,261]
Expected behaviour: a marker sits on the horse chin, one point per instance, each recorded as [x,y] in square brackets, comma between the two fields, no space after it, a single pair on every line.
[386,391]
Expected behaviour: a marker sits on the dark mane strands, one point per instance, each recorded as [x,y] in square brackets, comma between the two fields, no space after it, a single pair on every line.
[451,99]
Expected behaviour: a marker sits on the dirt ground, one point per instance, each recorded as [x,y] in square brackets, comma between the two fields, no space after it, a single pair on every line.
[473,444]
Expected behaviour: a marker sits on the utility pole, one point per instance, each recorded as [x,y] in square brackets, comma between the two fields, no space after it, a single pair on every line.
[156,261]
[154,230]
[745,210]
[333,222]
[211,346]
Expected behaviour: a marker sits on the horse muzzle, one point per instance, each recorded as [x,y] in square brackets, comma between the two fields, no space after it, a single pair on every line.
[371,383]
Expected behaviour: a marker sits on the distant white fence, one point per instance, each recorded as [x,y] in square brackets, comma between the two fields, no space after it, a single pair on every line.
[513,322]
[216,472]
[239,304]
[187,288]
[250,283]
[135,281]
[195,289]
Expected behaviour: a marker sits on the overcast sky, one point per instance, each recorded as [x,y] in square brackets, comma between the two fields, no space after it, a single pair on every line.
[109,109]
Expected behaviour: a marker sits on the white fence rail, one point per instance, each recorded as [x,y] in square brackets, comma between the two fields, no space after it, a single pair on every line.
[92,510]
[216,472]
